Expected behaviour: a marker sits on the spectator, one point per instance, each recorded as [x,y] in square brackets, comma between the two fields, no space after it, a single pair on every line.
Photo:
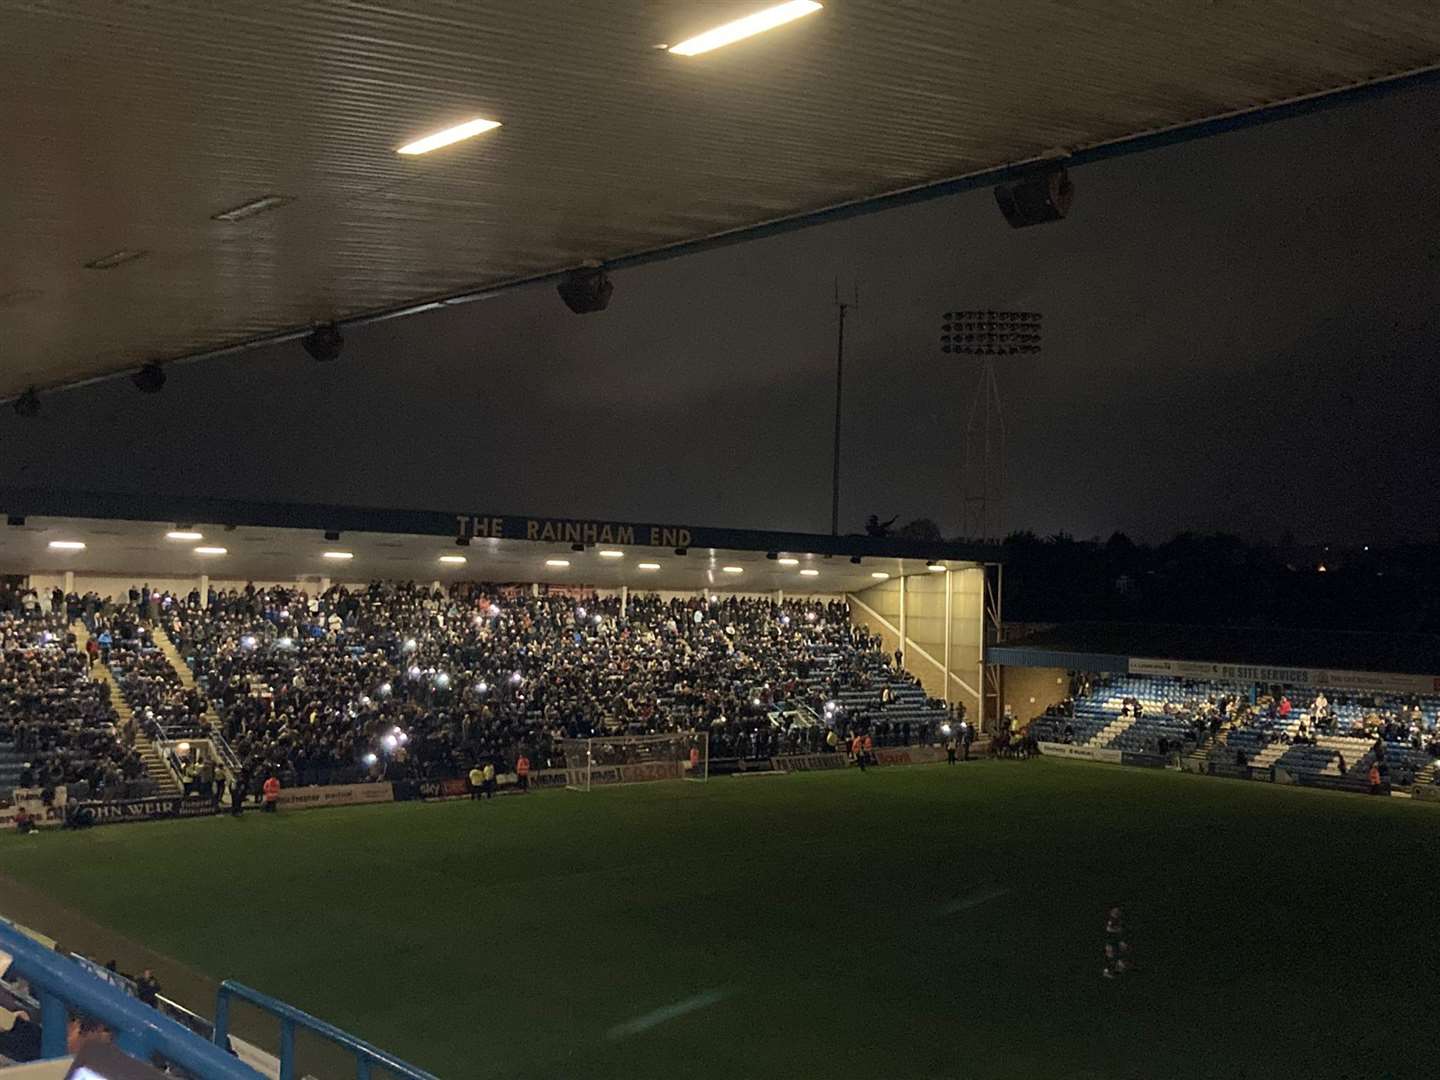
[147,988]
[83,1030]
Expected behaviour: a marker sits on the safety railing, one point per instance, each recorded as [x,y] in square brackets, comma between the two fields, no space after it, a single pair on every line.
[367,1057]
[62,986]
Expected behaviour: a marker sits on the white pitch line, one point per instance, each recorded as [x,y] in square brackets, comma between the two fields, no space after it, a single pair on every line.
[669,1012]
[974,900]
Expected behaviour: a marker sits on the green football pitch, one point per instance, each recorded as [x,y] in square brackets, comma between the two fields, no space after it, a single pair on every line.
[909,922]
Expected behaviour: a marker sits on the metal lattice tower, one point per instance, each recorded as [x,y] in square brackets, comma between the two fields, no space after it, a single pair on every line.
[988,335]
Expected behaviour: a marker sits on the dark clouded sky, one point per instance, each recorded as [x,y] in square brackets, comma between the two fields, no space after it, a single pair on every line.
[1241,333]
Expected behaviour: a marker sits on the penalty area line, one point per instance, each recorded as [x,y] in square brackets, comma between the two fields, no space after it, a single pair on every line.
[669,1012]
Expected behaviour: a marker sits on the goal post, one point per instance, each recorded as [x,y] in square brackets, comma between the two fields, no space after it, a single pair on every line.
[636,759]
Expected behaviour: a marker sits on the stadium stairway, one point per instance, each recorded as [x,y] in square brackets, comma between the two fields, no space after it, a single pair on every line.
[155,767]
[167,648]
[1112,731]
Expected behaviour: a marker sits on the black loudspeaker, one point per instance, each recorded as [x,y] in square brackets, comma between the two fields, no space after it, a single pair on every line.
[150,379]
[324,342]
[585,291]
[1036,200]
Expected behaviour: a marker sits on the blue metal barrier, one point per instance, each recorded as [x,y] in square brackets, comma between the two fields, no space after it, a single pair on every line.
[61,985]
[366,1055]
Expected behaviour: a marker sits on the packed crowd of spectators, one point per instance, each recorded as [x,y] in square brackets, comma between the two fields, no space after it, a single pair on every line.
[403,681]
[59,722]
[151,685]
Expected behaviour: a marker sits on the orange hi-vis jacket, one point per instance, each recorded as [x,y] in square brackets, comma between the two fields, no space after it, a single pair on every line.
[272,789]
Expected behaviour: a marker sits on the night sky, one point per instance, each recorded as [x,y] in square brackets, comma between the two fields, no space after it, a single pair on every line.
[1241,334]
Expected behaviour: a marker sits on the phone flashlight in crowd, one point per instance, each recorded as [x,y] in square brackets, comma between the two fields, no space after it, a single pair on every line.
[385,689]
[944,729]
[442,680]
[286,642]
[370,759]
[580,612]
[248,641]
[409,645]
[414,671]
[389,742]
[515,677]
[481,687]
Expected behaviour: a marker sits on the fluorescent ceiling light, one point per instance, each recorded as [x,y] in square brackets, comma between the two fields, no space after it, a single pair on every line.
[453,560]
[211,551]
[647,566]
[467,130]
[733,569]
[558,564]
[750,25]
[337,555]
[788,560]
[251,208]
[183,534]
[935,567]
[879,575]
[612,554]
[810,573]
[68,545]
[115,258]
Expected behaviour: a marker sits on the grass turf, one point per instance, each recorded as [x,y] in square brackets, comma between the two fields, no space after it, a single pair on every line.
[910,922]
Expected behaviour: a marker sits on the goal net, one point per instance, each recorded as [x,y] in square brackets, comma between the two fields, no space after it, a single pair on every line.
[636,759]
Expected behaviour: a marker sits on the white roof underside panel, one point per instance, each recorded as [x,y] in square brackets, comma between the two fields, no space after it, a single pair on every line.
[141,550]
[128,125]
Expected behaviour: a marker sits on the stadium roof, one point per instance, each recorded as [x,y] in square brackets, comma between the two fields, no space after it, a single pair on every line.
[1085,646]
[127,536]
[129,127]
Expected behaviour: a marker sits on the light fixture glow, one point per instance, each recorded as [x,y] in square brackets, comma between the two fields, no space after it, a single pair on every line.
[115,258]
[67,545]
[251,208]
[788,560]
[758,23]
[935,567]
[647,566]
[809,572]
[732,569]
[557,564]
[211,551]
[459,132]
[611,553]
[337,555]
[453,560]
[879,575]
[183,534]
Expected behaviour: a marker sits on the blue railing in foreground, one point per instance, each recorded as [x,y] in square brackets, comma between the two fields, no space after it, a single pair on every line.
[366,1056]
[61,985]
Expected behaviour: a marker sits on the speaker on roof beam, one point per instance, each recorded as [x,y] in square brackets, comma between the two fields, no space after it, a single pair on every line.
[1036,200]
[585,291]
[324,343]
[150,379]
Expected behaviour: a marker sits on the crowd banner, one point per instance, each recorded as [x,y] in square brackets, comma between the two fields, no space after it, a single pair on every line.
[45,815]
[100,812]
[909,755]
[308,798]
[1081,753]
[1379,681]
[1149,761]
[808,762]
